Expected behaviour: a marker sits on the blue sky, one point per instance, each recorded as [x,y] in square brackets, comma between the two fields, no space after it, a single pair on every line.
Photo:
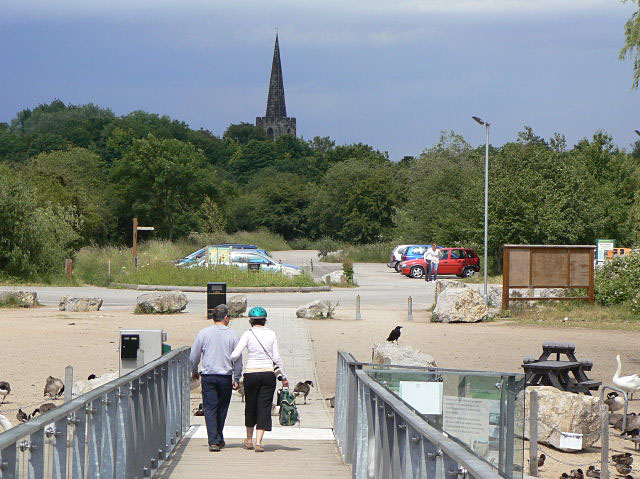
[389,73]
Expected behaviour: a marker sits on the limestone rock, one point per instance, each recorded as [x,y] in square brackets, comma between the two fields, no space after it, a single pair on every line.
[69,303]
[161,303]
[85,385]
[335,277]
[459,305]
[391,353]
[237,305]
[560,411]
[444,284]
[22,299]
[314,310]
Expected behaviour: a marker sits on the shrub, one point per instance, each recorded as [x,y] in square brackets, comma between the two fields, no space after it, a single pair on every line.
[618,281]
[347,267]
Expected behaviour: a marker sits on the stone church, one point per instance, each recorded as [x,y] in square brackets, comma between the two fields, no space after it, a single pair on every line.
[276,122]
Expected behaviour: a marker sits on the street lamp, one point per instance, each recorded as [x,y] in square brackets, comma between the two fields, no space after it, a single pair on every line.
[637,132]
[486,201]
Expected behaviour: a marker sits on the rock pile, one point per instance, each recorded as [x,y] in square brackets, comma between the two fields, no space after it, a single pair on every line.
[390,353]
[23,299]
[161,303]
[459,305]
[69,303]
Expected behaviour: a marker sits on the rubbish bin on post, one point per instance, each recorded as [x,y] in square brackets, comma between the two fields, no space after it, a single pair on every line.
[216,294]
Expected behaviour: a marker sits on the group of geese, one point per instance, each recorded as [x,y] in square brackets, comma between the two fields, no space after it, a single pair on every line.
[54,388]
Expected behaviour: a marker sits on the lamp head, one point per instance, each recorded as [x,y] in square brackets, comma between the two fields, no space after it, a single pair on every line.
[637,132]
[478,120]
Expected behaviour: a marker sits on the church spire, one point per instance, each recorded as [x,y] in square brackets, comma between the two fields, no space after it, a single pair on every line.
[276,107]
[276,122]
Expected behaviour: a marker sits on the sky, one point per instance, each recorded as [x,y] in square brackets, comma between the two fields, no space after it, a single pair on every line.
[390,73]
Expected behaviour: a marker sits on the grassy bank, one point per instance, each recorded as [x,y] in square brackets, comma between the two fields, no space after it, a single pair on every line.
[365,253]
[101,266]
[579,315]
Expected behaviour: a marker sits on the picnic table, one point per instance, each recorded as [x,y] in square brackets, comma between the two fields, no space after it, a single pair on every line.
[566,375]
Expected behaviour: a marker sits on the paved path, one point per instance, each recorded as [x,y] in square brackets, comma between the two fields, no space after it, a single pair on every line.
[308,450]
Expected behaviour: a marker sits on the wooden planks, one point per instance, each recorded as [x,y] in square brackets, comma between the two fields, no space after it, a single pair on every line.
[308,459]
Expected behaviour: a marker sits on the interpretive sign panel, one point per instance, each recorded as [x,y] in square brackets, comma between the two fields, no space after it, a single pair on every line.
[547,266]
[602,246]
[424,397]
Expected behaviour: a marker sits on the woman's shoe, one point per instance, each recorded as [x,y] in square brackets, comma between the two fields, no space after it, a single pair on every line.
[259,448]
[247,444]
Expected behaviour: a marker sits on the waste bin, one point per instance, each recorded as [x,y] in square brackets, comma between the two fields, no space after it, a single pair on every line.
[216,294]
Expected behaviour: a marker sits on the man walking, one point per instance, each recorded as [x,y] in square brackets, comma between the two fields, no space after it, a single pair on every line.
[219,375]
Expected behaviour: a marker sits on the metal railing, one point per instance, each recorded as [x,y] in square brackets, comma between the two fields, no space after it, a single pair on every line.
[124,429]
[381,437]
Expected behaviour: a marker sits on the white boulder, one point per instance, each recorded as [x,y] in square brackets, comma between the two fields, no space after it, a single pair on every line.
[391,353]
[22,299]
[564,412]
[314,310]
[335,277]
[161,303]
[237,305]
[459,305]
[69,303]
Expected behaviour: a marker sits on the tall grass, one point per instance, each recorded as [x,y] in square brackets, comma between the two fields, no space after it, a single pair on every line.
[168,274]
[365,253]
[155,267]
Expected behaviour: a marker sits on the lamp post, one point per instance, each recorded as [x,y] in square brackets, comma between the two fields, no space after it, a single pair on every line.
[486,201]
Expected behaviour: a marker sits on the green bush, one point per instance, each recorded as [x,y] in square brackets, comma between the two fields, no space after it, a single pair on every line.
[347,267]
[618,281]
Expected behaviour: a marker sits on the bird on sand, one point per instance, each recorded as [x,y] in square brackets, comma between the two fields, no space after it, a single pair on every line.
[541,460]
[630,383]
[54,387]
[395,334]
[5,389]
[593,472]
[623,469]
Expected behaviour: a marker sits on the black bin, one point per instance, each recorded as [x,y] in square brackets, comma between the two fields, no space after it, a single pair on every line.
[216,294]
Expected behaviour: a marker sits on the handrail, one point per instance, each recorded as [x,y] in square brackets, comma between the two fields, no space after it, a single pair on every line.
[125,428]
[380,436]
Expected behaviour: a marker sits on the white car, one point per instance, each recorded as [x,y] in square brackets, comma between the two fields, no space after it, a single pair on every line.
[245,259]
[396,256]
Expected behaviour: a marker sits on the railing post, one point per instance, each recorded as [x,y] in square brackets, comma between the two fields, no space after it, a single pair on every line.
[78,442]
[604,448]
[68,384]
[533,434]
[410,309]
[358,315]
[8,462]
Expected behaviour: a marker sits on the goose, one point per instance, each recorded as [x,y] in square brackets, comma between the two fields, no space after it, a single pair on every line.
[54,387]
[614,402]
[5,423]
[303,388]
[629,384]
[5,389]
[22,416]
[593,472]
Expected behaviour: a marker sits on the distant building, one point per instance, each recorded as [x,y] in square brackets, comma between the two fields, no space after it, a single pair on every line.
[275,122]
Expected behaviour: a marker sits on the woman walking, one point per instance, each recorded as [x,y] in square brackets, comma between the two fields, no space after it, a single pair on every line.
[264,365]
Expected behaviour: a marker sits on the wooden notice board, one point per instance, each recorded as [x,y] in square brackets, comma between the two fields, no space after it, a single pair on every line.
[548,266]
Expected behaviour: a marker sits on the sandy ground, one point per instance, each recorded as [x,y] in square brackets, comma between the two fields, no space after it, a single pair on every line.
[42,341]
[496,346]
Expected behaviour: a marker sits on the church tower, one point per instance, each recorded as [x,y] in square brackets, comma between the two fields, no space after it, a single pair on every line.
[275,122]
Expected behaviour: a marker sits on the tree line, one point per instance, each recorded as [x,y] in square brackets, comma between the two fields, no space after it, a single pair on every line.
[75,175]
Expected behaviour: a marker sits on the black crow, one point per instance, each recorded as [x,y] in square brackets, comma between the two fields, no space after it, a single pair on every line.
[91,376]
[395,334]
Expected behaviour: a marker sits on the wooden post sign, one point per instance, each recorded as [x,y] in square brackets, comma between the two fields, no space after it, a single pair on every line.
[137,228]
[548,266]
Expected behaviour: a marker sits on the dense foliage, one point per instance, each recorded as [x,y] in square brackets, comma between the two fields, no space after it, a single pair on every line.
[75,175]
[618,282]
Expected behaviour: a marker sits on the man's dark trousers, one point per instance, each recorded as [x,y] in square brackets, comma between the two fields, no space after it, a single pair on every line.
[216,396]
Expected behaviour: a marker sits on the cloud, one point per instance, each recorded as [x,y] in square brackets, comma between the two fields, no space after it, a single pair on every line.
[74,8]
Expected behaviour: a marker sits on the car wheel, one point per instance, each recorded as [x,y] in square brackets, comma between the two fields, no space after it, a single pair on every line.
[397,267]
[417,272]
[468,272]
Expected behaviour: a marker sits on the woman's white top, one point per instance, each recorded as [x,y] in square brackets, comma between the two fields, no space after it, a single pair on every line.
[257,358]
[433,255]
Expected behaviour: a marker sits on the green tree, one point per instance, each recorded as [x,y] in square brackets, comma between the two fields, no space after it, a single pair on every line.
[163,182]
[243,133]
[74,179]
[631,46]
[355,202]
[212,219]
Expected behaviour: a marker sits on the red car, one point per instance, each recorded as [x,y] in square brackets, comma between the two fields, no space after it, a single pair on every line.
[462,262]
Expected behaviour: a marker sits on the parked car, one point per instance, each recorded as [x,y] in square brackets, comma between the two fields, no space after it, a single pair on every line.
[463,262]
[244,258]
[414,251]
[396,256]
[199,257]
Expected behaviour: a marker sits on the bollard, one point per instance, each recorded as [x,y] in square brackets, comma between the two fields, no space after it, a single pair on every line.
[533,434]
[410,309]
[68,383]
[604,447]
[358,315]
[109,270]
[311,261]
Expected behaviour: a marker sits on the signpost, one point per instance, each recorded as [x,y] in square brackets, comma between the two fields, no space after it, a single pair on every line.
[137,228]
